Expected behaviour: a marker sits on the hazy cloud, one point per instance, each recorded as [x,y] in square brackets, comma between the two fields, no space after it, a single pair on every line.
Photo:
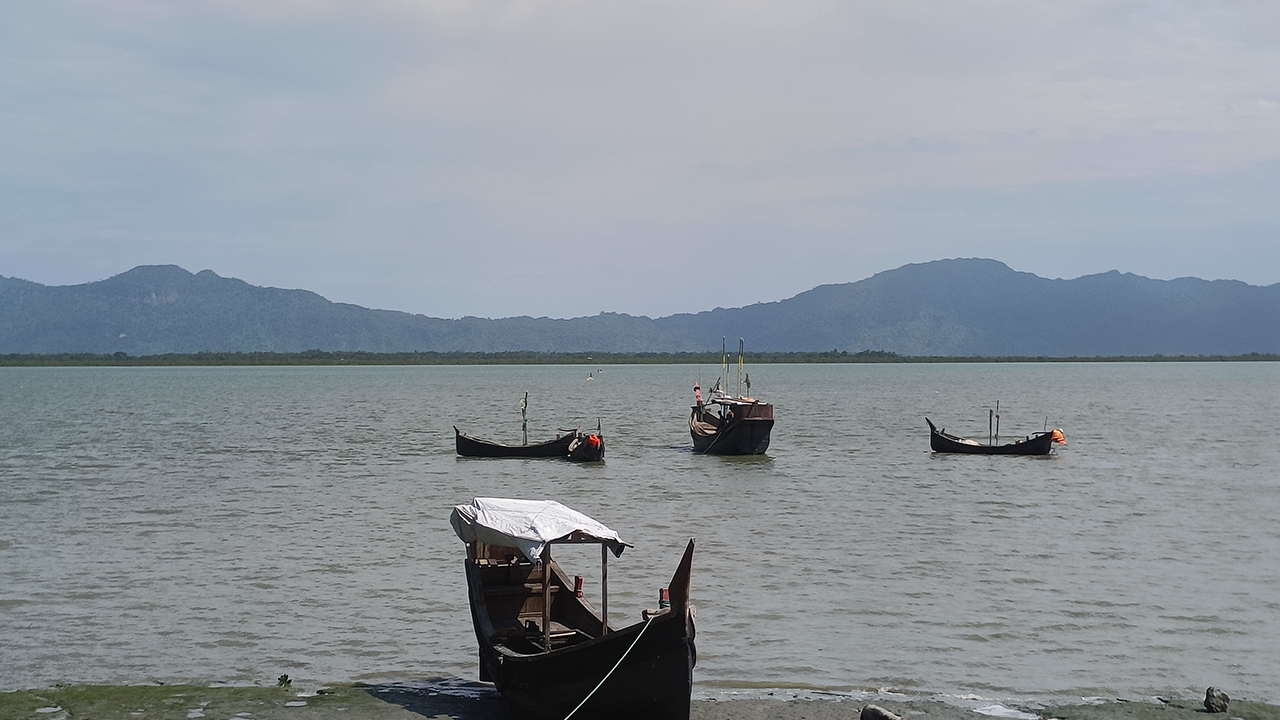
[565,158]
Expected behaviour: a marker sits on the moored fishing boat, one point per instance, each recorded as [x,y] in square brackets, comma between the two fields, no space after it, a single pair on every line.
[471,446]
[730,424]
[543,645]
[736,426]
[1039,443]
[573,444]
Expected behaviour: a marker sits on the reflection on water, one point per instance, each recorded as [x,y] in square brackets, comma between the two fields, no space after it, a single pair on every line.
[234,524]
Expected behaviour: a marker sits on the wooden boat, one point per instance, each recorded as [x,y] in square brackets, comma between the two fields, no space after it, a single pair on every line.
[576,446]
[737,426]
[573,445]
[543,645]
[470,446]
[730,424]
[1040,443]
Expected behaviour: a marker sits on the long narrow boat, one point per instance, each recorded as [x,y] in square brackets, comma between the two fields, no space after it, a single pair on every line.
[1040,443]
[471,446]
[543,645]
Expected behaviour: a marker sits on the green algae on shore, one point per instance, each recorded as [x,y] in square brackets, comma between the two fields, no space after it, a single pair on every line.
[187,702]
[398,702]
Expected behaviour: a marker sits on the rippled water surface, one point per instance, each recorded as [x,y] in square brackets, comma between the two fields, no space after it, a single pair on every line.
[233,524]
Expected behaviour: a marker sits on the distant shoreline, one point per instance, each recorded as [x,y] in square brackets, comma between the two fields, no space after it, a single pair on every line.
[327,358]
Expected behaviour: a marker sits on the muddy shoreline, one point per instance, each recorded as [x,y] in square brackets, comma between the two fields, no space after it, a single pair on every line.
[404,702]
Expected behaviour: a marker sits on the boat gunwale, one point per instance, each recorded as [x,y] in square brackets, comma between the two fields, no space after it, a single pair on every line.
[1032,441]
[493,443]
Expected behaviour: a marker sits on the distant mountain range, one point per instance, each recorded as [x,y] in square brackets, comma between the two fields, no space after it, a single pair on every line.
[944,308]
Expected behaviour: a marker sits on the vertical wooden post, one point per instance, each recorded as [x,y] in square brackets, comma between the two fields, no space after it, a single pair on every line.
[546,596]
[604,589]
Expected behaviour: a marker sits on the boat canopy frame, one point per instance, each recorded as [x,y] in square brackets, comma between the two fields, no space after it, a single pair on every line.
[532,527]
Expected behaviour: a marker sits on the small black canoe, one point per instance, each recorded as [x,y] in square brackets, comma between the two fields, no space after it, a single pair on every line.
[1035,444]
[469,446]
[576,446]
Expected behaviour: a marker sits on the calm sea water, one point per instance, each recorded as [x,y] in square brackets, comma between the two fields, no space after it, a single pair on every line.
[233,524]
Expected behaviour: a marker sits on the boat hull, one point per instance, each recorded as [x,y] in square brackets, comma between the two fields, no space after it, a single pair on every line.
[654,659]
[742,436]
[586,449]
[1037,444]
[654,681]
[468,446]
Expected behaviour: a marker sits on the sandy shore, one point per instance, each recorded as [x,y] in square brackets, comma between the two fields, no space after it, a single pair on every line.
[396,702]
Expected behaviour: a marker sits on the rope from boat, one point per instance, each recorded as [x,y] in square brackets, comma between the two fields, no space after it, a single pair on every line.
[724,431]
[615,667]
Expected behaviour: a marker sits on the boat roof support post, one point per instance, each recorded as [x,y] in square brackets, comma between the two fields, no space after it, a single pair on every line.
[546,597]
[604,589]
[997,442]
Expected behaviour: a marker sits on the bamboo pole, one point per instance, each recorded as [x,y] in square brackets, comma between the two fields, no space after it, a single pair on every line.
[740,345]
[546,596]
[997,422]
[604,589]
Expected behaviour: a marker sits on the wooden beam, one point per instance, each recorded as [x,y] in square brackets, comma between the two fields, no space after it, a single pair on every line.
[604,589]
[546,596]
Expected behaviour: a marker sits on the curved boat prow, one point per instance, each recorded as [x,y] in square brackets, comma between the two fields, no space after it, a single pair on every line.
[679,587]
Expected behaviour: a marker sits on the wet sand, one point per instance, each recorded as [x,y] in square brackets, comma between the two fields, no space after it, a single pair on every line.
[395,702]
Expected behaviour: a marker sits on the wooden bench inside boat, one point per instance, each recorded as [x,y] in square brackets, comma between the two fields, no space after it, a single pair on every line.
[518,589]
[511,592]
[529,634]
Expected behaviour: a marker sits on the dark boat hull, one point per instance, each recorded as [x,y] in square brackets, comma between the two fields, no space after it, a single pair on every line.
[741,436]
[653,681]
[1037,444]
[468,446]
[583,449]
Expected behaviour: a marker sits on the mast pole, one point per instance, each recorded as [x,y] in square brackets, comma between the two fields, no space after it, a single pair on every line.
[740,345]
[997,421]
[546,597]
[724,360]
[604,589]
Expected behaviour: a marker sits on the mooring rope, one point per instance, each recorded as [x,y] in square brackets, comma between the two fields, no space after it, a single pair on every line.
[615,667]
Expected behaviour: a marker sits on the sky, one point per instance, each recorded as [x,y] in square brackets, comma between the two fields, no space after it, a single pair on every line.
[568,158]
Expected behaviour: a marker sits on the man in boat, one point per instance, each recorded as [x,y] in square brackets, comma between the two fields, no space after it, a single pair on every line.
[697,397]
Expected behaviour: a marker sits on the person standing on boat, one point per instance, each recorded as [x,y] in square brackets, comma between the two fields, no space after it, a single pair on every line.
[697,397]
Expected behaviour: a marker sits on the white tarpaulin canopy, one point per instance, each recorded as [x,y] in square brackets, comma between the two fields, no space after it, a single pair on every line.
[527,525]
